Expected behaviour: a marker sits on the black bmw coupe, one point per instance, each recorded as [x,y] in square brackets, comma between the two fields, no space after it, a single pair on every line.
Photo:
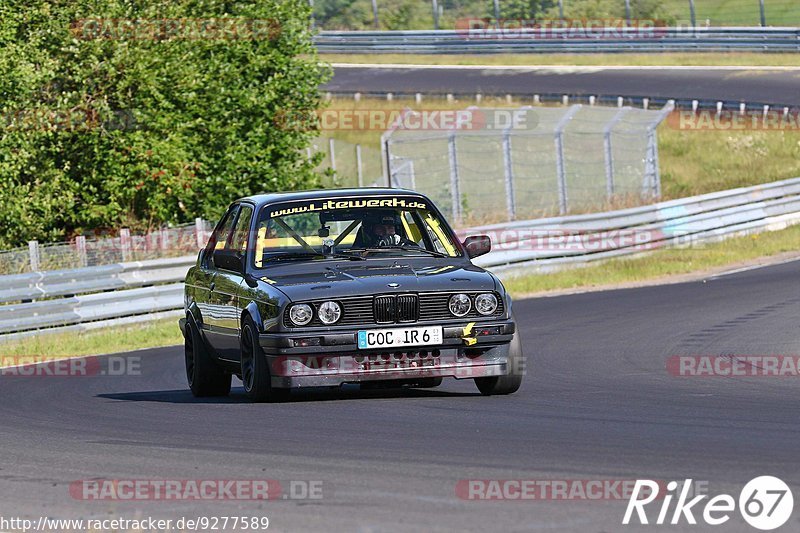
[323,288]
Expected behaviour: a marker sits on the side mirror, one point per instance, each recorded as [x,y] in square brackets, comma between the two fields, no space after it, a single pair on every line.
[228,260]
[477,245]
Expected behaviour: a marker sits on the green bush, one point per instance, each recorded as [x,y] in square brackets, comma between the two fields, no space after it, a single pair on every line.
[104,125]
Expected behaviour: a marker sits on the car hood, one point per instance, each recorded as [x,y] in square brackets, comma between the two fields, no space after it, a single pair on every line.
[329,279]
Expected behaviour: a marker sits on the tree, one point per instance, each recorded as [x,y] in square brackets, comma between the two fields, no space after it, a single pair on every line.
[119,112]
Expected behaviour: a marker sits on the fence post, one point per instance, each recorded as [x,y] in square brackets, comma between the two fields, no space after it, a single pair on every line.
[627,12]
[435,7]
[497,11]
[33,254]
[375,14]
[359,170]
[692,14]
[332,153]
[609,156]
[199,232]
[763,14]
[508,172]
[80,247]
[561,9]
[164,234]
[561,171]
[386,155]
[651,162]
[125,244]
[455,193]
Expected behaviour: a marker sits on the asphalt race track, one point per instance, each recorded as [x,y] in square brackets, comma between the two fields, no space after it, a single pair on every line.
[772,86]
[598,403]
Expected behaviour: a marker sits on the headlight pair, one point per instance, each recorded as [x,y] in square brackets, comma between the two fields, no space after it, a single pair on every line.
[461,304]
[328,312]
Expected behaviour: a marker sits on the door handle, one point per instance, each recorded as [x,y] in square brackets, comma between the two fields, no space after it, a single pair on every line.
[211,287]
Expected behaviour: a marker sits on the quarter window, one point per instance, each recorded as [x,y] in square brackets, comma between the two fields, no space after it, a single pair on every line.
[242,232]
[223,231]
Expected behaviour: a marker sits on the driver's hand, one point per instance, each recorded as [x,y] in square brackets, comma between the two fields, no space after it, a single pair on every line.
[389,240]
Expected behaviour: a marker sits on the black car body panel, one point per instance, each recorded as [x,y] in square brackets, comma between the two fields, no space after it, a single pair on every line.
[368,287]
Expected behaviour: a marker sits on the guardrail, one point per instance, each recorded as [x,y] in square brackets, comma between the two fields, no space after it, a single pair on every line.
[560,40]
[551,242]
[127,292]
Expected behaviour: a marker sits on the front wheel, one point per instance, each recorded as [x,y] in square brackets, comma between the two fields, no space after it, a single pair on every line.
[204,375]
[511,382]
[255,368]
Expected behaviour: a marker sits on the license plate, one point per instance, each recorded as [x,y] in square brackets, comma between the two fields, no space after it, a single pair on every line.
[389,338]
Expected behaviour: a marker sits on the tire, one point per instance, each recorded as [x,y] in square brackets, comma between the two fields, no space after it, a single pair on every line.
[204,375]
[510,383]
[255,368]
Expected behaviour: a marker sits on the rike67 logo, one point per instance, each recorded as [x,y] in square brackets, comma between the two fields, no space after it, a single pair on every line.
[766,503]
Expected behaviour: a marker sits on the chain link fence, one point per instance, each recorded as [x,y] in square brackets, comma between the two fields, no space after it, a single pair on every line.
[122,247]
[354,164]
[531,162]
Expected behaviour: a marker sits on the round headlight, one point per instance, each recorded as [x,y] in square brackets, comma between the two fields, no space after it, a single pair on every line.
[486,304]
[329,312]
[460,304]
[301,314]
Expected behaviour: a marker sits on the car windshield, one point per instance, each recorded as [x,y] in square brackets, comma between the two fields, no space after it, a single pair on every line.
[354,227]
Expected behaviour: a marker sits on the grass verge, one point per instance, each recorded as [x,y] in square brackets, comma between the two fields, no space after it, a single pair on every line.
[101,341]
[662,264]
[589,60]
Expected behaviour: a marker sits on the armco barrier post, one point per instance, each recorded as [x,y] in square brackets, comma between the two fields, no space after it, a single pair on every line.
[80,247]
[33,254]
[199,232]
[164,238]
[125,244]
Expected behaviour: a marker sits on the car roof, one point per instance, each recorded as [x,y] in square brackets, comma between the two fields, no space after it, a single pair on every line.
[315,194]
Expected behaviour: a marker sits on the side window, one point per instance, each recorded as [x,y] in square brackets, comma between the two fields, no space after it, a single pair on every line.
[241,233]
[223,230]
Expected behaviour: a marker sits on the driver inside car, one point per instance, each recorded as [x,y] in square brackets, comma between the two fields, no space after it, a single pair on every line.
[383,232]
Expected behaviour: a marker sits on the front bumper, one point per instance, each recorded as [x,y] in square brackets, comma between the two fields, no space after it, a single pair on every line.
[481,351]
